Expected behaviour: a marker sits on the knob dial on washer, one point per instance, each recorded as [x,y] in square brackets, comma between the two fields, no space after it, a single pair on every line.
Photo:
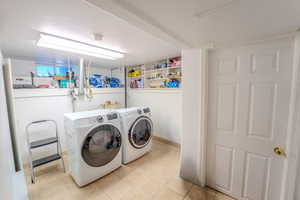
[100,119]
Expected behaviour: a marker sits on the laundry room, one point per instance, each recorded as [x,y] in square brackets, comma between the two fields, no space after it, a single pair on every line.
[142,100]
[79,88]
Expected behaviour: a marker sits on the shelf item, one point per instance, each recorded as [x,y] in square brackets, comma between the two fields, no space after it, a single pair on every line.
[110,105]
[136,83]
[174,62]
[137,77]
[134,72]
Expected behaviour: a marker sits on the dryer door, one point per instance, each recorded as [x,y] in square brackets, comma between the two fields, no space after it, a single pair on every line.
[101,145]
[140,132]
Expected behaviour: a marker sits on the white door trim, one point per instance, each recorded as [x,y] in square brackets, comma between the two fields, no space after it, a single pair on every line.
[193,144]
[290,170]
[203,86]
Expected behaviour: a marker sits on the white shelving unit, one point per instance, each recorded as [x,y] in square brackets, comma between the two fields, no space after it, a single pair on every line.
[156,74]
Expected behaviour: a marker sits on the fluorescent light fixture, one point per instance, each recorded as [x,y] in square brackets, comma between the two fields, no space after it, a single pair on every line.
[64,44]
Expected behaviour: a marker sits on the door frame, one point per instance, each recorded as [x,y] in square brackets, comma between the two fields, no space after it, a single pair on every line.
[291,165]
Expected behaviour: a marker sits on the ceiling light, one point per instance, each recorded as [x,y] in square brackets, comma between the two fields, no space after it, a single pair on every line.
[64,44]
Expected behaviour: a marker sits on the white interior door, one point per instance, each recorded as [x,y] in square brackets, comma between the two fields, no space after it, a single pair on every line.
[249,98]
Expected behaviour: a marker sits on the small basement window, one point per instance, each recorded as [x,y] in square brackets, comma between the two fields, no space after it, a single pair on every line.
[43,70]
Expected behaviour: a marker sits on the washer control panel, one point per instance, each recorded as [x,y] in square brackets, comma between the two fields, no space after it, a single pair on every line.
[146,110]
[112,116]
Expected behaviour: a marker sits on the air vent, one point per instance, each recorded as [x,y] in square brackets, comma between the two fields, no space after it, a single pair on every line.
[139,111]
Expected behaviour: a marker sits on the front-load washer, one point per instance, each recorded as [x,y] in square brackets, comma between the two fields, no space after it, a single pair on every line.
[137,130]
[94,143]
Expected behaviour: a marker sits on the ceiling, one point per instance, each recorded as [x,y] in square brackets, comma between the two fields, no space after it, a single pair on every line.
[145,30]
[219,22]
[21,22]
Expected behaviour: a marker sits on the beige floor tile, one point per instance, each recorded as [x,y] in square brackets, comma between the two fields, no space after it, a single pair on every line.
[106,183]
[118,189]
[151,187]
[221,196]
[128,196]
[167,194]
[179,185]
[137,177]
[153,176]
[199,193]
[123,171]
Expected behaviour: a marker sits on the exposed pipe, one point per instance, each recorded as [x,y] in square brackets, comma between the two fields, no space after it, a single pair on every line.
[81,77]
[125,86]
[69,72]
[88,75]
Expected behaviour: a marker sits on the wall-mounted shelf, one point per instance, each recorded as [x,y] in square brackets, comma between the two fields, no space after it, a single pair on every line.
[161,74]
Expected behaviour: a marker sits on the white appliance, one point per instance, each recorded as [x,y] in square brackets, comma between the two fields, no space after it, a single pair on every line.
[94,143]
[137,130]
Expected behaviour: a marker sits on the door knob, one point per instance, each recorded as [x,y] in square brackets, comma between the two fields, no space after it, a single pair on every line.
[279,151]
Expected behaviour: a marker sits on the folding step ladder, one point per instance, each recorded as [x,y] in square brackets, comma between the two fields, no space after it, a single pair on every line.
[41,143]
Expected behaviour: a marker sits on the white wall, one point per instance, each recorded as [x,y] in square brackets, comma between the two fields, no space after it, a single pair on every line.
[38,104]
[100,97]
[191,144]
[22,67]
[100,70]
[6,155]
[118,73]
[166,107]
[12,183]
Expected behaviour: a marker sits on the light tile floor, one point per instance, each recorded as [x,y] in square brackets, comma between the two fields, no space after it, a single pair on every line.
[152,177]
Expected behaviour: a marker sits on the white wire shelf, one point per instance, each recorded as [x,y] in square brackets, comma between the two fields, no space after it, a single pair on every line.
[161,69]
[157,79]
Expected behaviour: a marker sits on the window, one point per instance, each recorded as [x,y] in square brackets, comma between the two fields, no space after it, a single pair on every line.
[61,71]
[43,70]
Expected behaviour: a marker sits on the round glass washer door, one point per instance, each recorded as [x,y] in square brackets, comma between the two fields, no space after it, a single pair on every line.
[101,145]
[140,132]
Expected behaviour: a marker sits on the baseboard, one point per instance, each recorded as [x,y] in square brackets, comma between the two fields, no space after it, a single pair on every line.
[163,140]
